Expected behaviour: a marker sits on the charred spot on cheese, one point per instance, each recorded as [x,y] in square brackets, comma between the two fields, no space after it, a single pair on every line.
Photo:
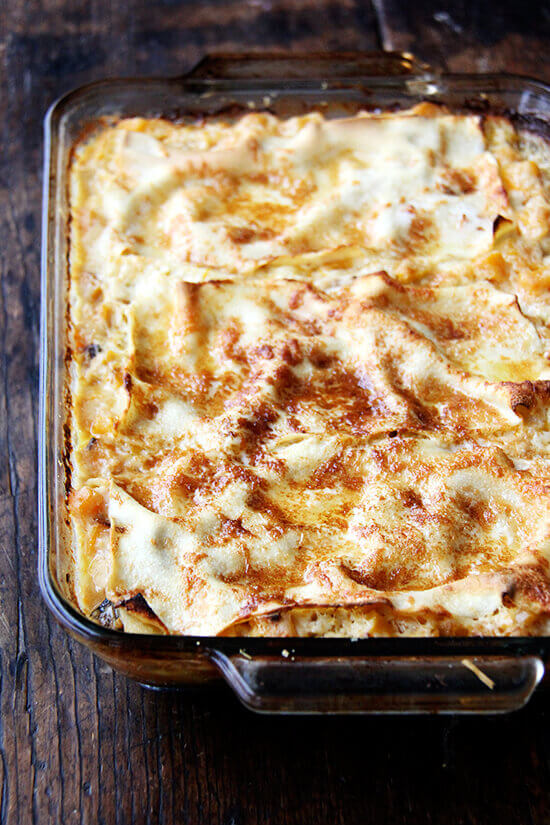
[308,375]
[501,224]
[106,615]
[138,604]
[91,350]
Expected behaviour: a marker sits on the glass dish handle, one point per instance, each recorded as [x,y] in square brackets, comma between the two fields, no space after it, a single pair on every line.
[312,66]
[288,684]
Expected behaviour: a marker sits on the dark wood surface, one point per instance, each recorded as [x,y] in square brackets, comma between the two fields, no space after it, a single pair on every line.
[79,744]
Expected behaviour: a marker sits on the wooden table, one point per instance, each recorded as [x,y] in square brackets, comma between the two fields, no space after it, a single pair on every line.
[81,745]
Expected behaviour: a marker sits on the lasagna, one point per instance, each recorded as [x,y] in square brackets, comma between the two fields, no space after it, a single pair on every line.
[309,375]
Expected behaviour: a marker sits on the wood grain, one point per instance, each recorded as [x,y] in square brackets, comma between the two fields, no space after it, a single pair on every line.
[79,744]
[466,36]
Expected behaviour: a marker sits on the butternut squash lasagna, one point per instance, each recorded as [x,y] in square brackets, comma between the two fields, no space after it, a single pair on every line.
[309,376]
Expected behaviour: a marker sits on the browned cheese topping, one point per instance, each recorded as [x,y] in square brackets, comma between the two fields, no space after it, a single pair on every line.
[310,376]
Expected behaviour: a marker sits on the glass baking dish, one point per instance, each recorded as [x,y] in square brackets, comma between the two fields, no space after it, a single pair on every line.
[291,675]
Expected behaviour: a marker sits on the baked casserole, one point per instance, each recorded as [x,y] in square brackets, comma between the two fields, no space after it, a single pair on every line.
[309,375]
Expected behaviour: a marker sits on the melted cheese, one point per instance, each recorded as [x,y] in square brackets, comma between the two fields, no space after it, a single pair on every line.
[310,375]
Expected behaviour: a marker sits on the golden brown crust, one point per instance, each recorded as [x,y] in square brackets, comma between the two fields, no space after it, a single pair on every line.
[310,376]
